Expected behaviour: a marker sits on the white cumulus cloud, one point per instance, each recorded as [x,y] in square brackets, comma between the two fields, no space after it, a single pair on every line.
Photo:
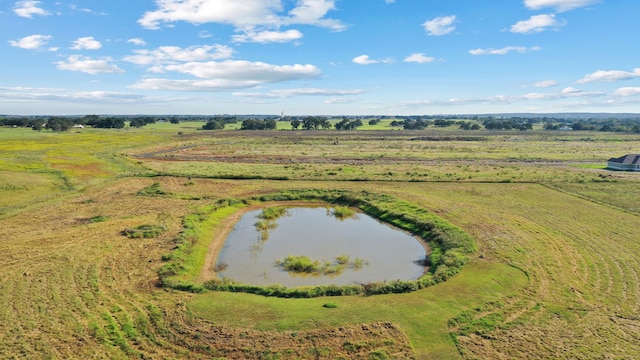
[440,26]
[89,65]
[545,84]
[419,58]
[312,12]
[287,93]
[537,23]
[86,43]
[610,76]
[228,74]
[171,54]
[559,5]
[366,60]
[245,14]
[264,37]
[242,69]
[627,91]
[570,90]
[239,13]
[31,42]
[504,50]
[29,8]
[137,41]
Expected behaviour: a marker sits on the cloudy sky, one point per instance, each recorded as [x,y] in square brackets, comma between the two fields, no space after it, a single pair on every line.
[327,57]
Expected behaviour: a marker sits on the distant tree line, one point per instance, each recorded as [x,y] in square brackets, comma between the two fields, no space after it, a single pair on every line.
[508,124]
[629,123]
[590,124]
[417,123]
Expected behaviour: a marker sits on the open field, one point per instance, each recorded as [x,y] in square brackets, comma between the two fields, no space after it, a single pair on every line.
[556,274]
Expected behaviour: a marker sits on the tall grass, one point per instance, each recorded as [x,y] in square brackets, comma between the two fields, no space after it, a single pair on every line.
[272,212]
[185,263]
[342,212]
[304,264]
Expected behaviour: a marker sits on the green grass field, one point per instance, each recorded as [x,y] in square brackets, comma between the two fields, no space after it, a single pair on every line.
[555,274]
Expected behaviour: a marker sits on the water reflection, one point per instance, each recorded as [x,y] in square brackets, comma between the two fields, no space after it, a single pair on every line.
[376,251]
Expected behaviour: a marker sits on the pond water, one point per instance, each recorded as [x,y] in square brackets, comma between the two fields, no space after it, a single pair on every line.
[375,250]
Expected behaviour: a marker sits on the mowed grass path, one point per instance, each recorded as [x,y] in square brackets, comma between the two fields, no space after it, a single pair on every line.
[582,261]
[422,315]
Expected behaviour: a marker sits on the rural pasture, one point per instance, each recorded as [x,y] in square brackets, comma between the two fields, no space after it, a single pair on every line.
[556,273]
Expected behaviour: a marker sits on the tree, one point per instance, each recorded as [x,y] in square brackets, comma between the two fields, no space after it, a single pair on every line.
[346,124]
[419,124]
[525,126]
[342,124]
[443,123]
[310,123]
[295,124]
[137,123]
[213,125]
[107,123]
[141,121]
[88,119]
[254,124]
[324,123]
[551,126]
[468,125]
[59,124]
[37,124]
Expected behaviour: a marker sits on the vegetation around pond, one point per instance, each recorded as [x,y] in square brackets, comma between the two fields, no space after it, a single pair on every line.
[272,212]
[342,212]
[450,246]
[303,264]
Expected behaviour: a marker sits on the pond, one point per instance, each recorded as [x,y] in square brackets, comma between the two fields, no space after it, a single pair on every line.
[353,250]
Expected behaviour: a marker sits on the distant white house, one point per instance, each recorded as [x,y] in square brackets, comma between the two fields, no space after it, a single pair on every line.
[78,126]
[630,162]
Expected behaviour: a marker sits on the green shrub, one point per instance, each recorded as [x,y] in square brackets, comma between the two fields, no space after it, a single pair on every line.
[144,231]
[265,225]
[98,218]
[343,212]
[300,264]
[342,259]
[272,213]
[152,190]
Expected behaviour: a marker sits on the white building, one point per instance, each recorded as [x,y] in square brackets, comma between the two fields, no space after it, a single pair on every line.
[630,162]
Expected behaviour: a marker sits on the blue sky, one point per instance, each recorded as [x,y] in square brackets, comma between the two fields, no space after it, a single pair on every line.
[331,57]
